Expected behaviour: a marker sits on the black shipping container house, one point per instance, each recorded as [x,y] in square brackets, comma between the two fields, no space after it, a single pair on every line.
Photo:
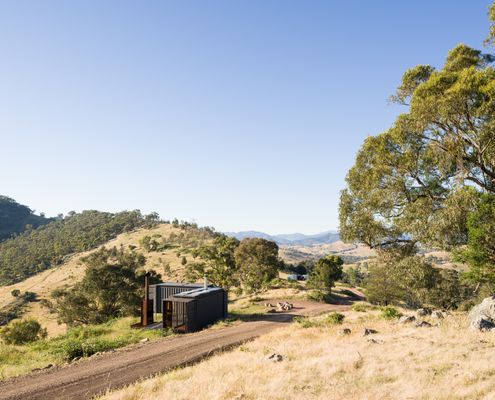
[188,307]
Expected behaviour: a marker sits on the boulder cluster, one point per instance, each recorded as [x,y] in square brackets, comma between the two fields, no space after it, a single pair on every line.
[420,313]
[284,306]
[280,306]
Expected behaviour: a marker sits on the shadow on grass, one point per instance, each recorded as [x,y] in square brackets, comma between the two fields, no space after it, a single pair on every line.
[272,317]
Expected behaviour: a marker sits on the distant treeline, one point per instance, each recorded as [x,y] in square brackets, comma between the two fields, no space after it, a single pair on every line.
[36,250]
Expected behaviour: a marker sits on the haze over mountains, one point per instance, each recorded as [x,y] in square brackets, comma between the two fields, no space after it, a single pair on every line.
[295,239]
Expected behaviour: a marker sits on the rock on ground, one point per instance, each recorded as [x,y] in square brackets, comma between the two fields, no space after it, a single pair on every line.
[482,324]
[405,319]
[345,331]
[275,357]
[482,316]
[422,312]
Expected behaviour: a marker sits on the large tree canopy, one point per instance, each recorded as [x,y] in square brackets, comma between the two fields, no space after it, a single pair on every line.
[257,262]
[419,180]
[216,260]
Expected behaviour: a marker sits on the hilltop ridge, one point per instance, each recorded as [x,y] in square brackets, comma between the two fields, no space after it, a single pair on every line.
[294,239]
[15,218]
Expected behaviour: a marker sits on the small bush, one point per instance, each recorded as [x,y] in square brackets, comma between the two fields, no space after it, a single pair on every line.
[15,293]
[305,322]
[29,296]
[73,348]
[390,313]
[335,318]
[320,296]
[467,305]
[24,331]
[361,307]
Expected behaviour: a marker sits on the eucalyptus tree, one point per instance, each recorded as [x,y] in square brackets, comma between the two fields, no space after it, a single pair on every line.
[419,180]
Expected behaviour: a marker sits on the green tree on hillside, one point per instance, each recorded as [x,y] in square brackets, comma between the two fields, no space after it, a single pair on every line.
[325,273]
[425,180]
[15,217]
[418,180]
[401,279]
[216,260]
[22,331]
[112,287]
[480,250]
[257,262]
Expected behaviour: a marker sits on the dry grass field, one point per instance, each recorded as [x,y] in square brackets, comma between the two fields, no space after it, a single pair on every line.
[296,254]
[445,361]
[68,273]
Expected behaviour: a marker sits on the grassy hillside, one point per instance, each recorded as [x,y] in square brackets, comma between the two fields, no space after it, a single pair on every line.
[16,218]
[37,250]
[177,243]
[445,361]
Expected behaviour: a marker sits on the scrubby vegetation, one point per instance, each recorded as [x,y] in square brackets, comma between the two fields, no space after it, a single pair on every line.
[15,308]
[390,313]
[82,341]
[111,287]
[335,318]
[36,250]
[22,331]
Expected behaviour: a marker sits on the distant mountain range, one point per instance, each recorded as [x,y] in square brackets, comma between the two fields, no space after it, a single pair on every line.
[295,239]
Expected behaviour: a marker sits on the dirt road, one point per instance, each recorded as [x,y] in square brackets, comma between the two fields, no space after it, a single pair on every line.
[90,377]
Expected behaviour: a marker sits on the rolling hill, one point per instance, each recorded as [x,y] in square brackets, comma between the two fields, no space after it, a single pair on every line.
[168,262]
[293,239]
[15,218]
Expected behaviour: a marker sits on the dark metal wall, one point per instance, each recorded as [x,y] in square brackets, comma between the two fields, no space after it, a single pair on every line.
[198,313]
[209,309]
[160,293]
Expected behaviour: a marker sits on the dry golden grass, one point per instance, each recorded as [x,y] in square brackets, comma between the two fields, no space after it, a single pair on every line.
[321,250]
[403,362]
[71,271]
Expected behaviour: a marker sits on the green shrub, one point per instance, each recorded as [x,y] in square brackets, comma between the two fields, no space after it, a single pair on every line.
[335,318]
[23,331]
[15,293]
[305,322]
[353,276]
[362,307]
[467,305]
[73,348]
[320,296]
[390,313]
[29,296]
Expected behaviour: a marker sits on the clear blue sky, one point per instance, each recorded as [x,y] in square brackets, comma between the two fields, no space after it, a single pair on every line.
[236,114]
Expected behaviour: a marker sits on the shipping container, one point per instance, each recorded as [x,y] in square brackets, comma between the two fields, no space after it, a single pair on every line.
[194,309]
